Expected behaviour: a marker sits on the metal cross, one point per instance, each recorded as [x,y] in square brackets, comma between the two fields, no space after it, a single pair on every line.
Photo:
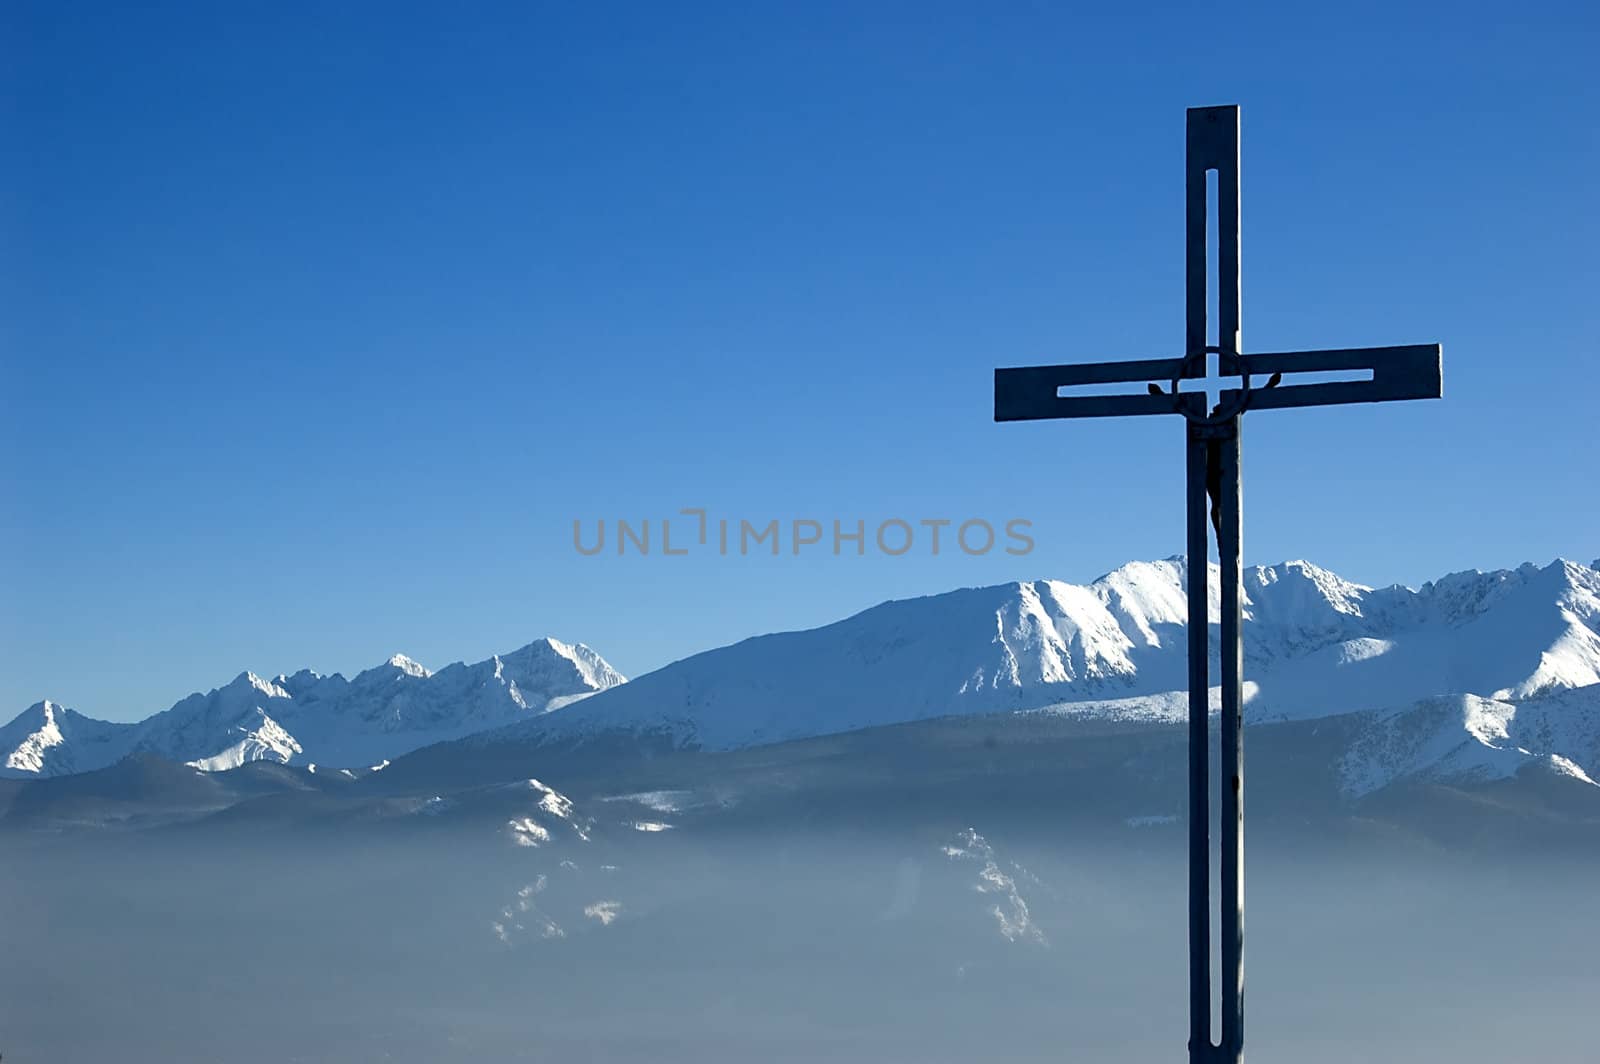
[1034,393]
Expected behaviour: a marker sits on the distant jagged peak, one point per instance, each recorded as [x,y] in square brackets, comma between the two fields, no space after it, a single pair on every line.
[397,669]
[305,680]
[1563,571]
[245,683]
[1344,595]
[1138,572]
[566,650]
[44,712]
[544,645]
[1150,593]
[408,666]
[1557,567]
[1465,594]
[1165,582]
[1172,571]
[596,670]
[45,739]
[545,652]
[257,739]
[1580,577]
[50,714]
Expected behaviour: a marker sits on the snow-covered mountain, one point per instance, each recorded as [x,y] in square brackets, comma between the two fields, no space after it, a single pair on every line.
[1315,645]
[306,718]
[47,739]
[1466,671]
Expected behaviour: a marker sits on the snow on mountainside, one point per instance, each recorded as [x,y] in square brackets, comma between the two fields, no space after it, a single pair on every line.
[307,718]
[1469,738]
[1316,645]
[50,740]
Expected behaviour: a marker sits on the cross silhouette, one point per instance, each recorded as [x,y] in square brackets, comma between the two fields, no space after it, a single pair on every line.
[1264,382]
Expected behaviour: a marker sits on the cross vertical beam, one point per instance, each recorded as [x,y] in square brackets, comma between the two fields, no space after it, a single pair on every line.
[1230,549]
[1212,144]
[1214,486]
[1199,755]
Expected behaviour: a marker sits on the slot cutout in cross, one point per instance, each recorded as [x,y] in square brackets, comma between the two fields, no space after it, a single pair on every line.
[1213,384]
[1365,375]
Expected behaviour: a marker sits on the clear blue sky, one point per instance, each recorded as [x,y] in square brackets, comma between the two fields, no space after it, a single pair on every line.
[320,327]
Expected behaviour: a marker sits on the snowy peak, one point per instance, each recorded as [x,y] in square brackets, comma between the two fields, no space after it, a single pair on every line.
[49,739]
[1153,595]
[1548,617]
[407,666]
[593,670]
[43,716]
[548,673]
[399,669]
[299,683]
[1302,594]
[259,739]
[34,736]
[1462,596]
[1326,585]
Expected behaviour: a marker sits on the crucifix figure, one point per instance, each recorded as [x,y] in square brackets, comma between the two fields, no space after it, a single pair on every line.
[1034,393]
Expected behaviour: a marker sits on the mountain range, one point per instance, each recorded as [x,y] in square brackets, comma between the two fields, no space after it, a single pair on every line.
[1474,675]
[309,719]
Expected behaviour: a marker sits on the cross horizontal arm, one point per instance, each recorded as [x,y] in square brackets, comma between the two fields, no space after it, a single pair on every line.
[1415,371]
[1030,393]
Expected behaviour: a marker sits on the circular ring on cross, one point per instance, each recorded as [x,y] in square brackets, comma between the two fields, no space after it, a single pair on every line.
[1220,413]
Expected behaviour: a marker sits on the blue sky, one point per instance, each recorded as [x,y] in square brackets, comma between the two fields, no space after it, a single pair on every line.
[321,327]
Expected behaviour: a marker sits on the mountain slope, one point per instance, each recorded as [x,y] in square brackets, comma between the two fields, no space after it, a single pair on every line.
[306,718]
[1466,738]
[1315,645]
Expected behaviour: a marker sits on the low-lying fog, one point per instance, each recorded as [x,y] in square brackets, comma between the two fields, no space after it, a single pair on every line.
[459,945]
